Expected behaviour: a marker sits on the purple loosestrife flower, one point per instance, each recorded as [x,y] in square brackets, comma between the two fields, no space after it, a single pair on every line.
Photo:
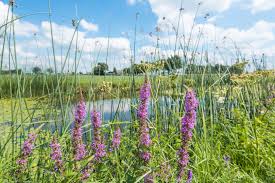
[144,139]
[80,152]
[97,145]
[99,151]
[56,154]
[188,124]
[116,138]
[145,136]
[144,100]
[85,174]
[96,119]
[148,179]
[27,148]
[189,176]
[80,112]
[226,159]
[146,156]
[78,146]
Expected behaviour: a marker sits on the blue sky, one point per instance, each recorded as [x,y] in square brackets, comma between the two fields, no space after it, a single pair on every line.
[250,24]
[114,15]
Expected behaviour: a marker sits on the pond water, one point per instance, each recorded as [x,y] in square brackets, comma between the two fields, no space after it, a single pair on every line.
[120,109]
[111,110]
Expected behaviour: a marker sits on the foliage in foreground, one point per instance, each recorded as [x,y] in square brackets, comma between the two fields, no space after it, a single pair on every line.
[233,142]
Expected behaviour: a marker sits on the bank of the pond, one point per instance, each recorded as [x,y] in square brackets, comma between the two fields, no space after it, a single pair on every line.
[97,87]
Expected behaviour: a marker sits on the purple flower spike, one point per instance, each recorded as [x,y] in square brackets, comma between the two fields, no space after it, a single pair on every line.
[116,138]
[99,151]
[148,179]
[145,137]
[80,152]
[56,154]
[21,162]
[189,176]
[80,112]
[146,156]
[184,157]
[78,146]
[144,101]
[96,119]
[97,145]
[142,114]
[187,126]
[85,174]
[27,149]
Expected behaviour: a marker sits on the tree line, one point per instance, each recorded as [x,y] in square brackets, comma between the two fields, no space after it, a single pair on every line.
[168,66]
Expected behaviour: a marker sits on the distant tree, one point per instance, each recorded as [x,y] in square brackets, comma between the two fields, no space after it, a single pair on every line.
[49,70]
[100,69]
[172,63]
[176,61]
[138,69]
[20,71]
[13,71]
[238,67]
[126,70]
[115,71]
[36,70]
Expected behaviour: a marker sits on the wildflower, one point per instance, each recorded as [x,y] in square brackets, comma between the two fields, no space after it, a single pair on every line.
[116,138]
[80,152]
[144,139]
[189,176]
[184,157]
[146,156]
[27,148]
[188,124]
[56,154]
[85,174]
[97,144]
[80,114]
[148,179]
[226,159]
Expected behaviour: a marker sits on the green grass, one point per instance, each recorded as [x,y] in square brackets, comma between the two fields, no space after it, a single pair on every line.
[240,126]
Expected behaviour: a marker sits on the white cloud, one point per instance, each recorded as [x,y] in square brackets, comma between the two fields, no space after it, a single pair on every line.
[151,52]
[38,49]
[262,5]
[170,9]
[22,28]
[168,12]
[3,10]
[88,25]
[63,35]
[213,19]
[257,39]
[133,2]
